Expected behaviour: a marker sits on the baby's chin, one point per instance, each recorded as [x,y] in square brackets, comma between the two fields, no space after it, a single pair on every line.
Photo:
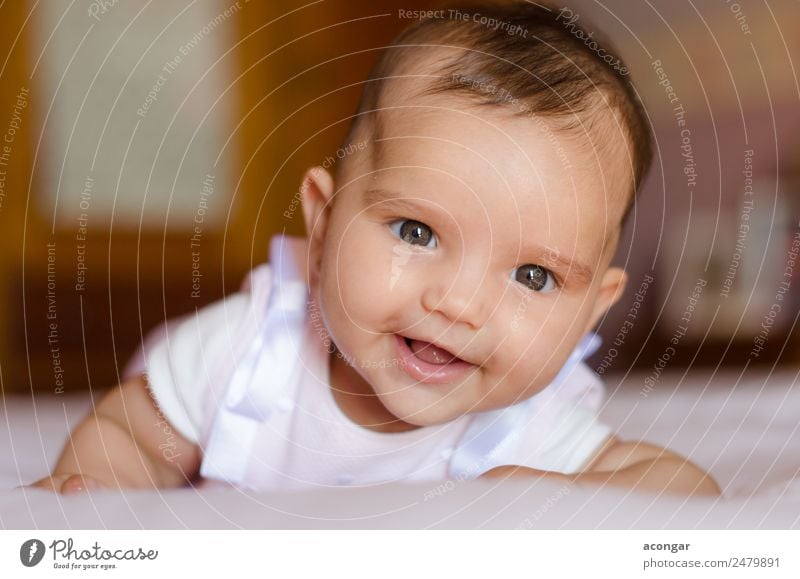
[421,411]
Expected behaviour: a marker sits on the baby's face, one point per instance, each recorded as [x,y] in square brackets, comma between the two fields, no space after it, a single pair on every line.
[485,234]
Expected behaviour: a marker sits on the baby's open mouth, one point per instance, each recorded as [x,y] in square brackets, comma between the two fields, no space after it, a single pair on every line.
[428,363]
[430,352]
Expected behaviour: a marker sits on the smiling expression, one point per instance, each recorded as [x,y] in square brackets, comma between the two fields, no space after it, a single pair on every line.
[460,232]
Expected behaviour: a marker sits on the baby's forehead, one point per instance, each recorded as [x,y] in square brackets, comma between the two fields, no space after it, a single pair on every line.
[462,134]
[452,133]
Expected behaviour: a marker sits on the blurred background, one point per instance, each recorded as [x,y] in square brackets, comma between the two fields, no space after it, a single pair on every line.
[150,150]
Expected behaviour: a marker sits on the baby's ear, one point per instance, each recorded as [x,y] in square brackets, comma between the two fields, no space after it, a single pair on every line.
[317,194]
[612,286]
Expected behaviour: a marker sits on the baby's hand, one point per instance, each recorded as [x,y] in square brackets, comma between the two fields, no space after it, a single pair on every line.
[68,483]
[632,465]
[119,446]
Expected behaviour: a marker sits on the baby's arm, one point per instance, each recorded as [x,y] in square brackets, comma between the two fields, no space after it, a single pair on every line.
[648,467]
[633,465]
[125,442]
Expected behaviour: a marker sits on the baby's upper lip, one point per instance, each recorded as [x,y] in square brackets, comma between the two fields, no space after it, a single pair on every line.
[450,350]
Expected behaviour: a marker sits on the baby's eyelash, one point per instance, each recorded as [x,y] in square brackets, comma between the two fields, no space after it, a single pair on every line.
[411,231]
[557,279]
[531,278]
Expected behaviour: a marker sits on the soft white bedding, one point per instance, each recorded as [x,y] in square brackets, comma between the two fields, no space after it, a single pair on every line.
[746,432]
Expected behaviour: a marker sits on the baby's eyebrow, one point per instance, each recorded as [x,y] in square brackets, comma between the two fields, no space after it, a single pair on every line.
[375,196]
[572,268]
[550,258]
[390,201]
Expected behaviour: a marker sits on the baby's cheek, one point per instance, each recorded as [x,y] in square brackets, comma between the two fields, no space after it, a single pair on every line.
[361,281]
[535,352]
[528,375]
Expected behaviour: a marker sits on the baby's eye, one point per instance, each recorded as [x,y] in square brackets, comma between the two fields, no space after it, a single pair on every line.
[535,277]
[414,232]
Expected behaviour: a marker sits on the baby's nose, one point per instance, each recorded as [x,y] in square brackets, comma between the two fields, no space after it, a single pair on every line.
[461,296]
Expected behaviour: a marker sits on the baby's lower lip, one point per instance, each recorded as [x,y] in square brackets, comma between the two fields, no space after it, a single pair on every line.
[426,372]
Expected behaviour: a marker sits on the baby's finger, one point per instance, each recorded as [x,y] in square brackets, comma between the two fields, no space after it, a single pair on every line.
[77,483]
[51,483]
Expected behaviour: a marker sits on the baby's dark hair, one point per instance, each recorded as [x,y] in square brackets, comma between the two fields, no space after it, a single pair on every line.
[530,58]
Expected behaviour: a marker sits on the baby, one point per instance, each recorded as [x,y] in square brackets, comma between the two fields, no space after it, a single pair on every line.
[433,323]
